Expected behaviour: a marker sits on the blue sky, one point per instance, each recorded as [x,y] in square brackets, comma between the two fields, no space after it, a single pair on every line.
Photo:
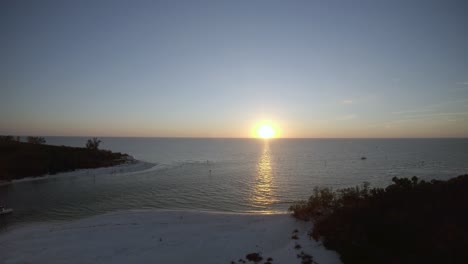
[219,68]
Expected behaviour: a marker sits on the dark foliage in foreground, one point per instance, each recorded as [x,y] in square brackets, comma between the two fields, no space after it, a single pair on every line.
[19,160]
[410,221]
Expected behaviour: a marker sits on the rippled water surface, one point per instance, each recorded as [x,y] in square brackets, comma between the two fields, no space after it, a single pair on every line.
[236,175]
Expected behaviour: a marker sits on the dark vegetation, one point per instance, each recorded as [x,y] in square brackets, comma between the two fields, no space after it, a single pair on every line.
[410,221]
[306,258]
[255,257]
[93,143]
[21,159]
[35,140]
[10,138]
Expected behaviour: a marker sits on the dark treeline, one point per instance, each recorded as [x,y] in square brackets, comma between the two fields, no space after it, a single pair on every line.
[20,159]
[410,221]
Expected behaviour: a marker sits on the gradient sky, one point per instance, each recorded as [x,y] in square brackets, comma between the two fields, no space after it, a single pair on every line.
[218,68]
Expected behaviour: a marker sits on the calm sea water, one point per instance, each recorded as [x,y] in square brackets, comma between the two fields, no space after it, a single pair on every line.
[235,175]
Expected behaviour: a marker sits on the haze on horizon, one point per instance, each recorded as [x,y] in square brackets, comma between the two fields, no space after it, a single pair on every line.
[221,68]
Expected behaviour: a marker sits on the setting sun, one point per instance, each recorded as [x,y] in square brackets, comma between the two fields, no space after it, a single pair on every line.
[266,131]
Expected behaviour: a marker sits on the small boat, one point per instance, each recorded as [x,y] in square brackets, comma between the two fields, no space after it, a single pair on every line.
[4,210]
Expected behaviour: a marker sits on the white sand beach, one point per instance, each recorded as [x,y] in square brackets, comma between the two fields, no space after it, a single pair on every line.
[160,236]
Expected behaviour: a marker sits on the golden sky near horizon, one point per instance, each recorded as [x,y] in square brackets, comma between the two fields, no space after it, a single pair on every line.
[310,69]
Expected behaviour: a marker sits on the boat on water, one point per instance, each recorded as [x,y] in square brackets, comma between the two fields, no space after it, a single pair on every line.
[4,210]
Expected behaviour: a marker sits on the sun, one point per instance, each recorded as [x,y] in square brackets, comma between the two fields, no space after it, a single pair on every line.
[266,131]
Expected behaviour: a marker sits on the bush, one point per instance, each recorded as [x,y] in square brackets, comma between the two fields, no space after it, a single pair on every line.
[410,221]
[93,143]
[9,138]
[36,140]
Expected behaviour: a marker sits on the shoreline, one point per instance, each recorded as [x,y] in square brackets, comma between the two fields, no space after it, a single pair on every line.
[163,236]
[129,166]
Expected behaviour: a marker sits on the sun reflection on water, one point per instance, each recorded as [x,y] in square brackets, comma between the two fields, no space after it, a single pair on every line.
[263,186]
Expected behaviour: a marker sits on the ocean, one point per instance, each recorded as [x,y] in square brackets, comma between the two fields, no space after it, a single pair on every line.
[228,175]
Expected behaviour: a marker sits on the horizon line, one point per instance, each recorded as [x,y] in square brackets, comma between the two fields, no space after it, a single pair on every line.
[176,137]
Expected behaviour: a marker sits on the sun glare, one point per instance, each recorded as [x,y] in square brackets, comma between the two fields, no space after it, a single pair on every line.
[266,131]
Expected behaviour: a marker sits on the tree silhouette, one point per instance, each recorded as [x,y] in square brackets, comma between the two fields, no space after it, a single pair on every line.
[93,143]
